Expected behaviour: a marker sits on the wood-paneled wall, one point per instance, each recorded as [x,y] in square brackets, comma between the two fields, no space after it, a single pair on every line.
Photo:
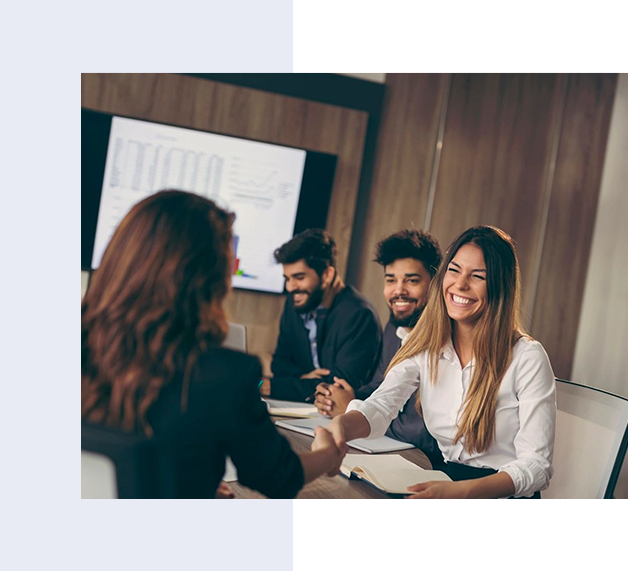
[572,210]
[601,359]
[522,152]
[402,171]
[495,159]
[232,110]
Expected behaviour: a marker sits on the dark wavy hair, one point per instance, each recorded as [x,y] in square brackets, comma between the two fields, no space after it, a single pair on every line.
[414,244]
[314,245]
[153,306]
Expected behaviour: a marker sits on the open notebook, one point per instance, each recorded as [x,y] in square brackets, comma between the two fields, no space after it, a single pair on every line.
[290,409]
[374,445]
[391,473]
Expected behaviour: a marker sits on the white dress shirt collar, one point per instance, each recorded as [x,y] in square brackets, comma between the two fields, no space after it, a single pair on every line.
[402,333]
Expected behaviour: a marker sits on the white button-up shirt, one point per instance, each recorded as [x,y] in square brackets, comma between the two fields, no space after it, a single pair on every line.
[525,415]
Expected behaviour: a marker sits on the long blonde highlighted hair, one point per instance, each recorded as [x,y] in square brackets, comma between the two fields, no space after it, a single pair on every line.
[494,335]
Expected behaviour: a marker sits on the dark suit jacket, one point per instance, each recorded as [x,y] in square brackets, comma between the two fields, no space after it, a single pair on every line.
[348,340]
[225,417]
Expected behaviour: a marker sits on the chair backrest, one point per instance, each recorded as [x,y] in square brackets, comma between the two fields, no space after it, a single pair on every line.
[84,283]
[591,442]
[236,337]
[143,467]
[98,477]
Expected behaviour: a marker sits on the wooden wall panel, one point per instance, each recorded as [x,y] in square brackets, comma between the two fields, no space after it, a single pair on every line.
[600,358]
[402,171]
[503,134]
[572,211]
[239,111]
[496,157]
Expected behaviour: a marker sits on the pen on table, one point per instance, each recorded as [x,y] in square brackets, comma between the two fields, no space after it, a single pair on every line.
[312,397]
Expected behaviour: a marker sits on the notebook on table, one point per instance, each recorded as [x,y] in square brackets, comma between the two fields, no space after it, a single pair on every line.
[290,409]
[390,473]
[372,446]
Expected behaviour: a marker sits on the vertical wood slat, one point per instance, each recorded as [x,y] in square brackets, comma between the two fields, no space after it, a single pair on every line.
[495,158]
[600,356]
[238,111]
[572,211]
[403,168]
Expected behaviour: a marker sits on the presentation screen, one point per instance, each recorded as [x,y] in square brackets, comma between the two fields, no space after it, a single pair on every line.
[275,191]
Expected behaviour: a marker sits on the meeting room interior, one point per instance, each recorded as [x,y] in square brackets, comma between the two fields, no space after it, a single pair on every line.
[360,285]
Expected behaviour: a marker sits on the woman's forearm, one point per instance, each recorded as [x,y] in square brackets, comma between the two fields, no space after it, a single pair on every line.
[498,485]
[355,425]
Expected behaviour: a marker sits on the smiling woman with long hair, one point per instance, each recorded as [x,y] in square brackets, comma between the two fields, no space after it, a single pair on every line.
[152,325]
[486,389]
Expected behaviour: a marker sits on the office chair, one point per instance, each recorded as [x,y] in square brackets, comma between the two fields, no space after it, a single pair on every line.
[85,276]
[236,337]
[116,464]
[591,442]
[98,476]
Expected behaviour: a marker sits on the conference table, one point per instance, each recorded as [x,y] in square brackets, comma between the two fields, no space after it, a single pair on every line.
[337,487]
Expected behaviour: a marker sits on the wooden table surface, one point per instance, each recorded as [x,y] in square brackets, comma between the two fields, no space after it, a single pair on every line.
[337,487]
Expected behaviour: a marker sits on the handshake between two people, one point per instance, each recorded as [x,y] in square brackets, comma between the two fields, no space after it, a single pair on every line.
[331,401]
[331,441]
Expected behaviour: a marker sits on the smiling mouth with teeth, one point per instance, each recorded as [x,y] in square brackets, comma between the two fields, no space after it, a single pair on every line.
[461,300]
[402,305]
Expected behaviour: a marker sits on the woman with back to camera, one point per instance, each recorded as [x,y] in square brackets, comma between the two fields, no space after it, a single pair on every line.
[486,389]
[152,325]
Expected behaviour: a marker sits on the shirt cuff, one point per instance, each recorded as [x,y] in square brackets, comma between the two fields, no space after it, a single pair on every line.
[375,419]
[528,476]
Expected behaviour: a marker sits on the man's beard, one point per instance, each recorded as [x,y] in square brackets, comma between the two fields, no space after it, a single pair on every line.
[313,301]
[409,321]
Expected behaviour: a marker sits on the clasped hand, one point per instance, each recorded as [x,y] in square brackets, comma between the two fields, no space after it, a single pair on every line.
[332,400]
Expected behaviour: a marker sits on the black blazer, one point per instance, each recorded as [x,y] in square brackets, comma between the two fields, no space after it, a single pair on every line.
[349,341]
[225,417]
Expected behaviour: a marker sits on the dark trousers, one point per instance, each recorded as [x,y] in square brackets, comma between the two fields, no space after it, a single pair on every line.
[461,472]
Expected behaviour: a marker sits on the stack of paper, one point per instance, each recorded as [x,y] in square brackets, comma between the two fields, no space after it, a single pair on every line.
[290,409]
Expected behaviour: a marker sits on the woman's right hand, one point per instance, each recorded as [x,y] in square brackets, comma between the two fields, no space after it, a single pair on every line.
[337,430]
[324,442]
